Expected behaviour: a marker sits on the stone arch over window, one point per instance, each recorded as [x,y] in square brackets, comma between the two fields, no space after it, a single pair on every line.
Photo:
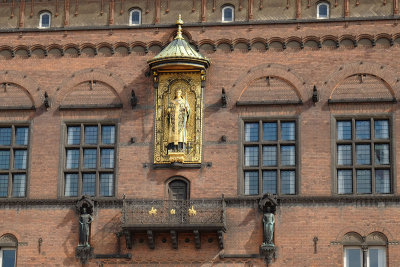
[44,19]
[382,75]
[135,16]
[91,88]
[270,83]
[17,91]
[177,188]
[323,10]
[228,13]
[8,250]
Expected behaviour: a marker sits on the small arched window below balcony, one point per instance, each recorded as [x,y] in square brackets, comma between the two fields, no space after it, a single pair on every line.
[135,17]
[323,10]
[228,14]
[44,20]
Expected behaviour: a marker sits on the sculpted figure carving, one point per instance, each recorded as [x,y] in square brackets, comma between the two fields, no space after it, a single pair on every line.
[268,223]
[178,112]
[85,220]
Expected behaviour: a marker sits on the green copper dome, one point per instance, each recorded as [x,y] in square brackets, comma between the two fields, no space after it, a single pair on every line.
[179,53]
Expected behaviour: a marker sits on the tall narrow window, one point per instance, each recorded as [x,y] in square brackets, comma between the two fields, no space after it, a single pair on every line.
[8,250]
[228,14]
[323,11]
[45,20]
[14,141]
[135,17]
[89,160]
[363,156]
[269,157]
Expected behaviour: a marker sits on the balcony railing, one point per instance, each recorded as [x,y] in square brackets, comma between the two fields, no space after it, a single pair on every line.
[174,214]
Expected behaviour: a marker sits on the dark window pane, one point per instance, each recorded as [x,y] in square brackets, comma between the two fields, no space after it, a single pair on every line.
[382,129]
[45,20]
[251,132]
[251,156]
[5,136]
[21,135]
[19,185]
[91,135]
[72,159]
[4,159]
[364,185]
[107,158]
[135,17]
[288,156]
[363,154]
[251,183]
[270,131]
[89,184]
[71,185]
[106,184]
[288,132]
[20,159]
[345,181]
[3,185]
[228,14]
[377,257]
[344,155]
[269,182]
[323,11]
[353,257]
[344,130]
[382,181]
[288,185]
[89,158]
[74,135]
[108,134]
[8,257]
[363,130]
[269,155]
[382,154]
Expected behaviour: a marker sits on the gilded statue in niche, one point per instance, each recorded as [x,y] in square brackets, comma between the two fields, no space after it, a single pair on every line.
[178,127]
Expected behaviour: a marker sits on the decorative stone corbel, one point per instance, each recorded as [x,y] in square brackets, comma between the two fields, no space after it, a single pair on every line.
[267,205]
[150,237]
[197,240]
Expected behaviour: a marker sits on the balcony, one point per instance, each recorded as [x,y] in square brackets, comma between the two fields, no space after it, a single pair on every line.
[173,216]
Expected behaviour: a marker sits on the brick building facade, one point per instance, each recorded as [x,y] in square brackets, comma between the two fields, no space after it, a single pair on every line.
[308,115]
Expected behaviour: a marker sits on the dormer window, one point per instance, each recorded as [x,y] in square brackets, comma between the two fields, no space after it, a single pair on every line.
[135,17]
[45,20]
[323,11]
[228,14]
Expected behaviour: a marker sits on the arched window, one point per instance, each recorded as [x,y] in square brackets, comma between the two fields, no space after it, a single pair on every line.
[45,20]
[323,11]
[228,14]
[8,250]
[178,189]
[135,17]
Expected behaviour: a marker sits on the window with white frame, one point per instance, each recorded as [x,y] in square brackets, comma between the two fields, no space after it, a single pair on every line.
[45,20]
[14,144]
[89,167]
[323,10]
[228,14]
[135,17]
[363,156]
[376,256]
[270,157]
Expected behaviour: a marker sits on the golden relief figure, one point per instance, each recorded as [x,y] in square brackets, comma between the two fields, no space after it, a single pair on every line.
[178,114]
[179,78]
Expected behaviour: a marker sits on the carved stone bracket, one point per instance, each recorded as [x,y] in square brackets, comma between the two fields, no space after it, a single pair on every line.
[197,240]
[84,253]
[150,237]
[268,253]
[220,239]
[174,239]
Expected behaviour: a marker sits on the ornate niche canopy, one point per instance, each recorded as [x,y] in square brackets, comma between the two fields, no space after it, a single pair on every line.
[179,78]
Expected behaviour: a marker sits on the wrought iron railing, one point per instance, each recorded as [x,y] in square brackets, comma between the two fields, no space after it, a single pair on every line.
[173,212]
